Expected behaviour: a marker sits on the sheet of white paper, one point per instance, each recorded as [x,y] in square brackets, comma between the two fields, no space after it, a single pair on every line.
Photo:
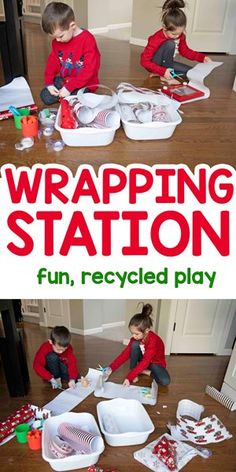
[16,93]
[71,397]
[113,390]
[196,77]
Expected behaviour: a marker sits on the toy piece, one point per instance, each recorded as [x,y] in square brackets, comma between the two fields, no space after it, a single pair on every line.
[29,125]
[34,438]
[84,382]
[55,145]
[14,111]
[24,143]
[68,120]
[182,92]
[165,449]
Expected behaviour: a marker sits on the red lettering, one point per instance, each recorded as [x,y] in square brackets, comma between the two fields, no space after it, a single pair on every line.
[27,248]
[134,249]
[134,188]
[16,190]
[78,222]
[198,192]
[106,218]
[221,242]
[227,187]
[165,175]
[108,188]
[184,233]
[53,188]
[85,179]
[49,217]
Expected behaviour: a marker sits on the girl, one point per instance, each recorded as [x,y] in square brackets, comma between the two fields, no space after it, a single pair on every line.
[158,55]
[145,350]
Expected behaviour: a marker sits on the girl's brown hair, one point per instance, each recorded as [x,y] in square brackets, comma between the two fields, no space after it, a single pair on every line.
[173,17]
[57,15]
[142,320]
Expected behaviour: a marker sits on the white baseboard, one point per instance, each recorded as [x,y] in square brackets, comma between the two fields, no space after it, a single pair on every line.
[99,30]
[119,26]
[106,29]
[31,318]
[86,332]
[113,325]
[138,41]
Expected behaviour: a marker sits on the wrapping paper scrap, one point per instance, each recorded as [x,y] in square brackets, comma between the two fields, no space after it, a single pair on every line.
[184,453]
[190,427]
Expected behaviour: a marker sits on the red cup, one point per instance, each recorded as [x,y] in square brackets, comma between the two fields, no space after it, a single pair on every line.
[29,126]
[34,439]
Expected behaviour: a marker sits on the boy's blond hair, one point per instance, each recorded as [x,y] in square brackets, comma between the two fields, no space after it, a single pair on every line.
[57,15]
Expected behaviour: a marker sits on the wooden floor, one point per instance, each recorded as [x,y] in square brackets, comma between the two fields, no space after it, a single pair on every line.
[189,375]
[207,133]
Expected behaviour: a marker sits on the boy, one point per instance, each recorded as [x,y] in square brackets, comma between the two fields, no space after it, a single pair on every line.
[74,60]
[55,360]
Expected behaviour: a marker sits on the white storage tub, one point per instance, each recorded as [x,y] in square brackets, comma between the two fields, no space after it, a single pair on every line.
[127,421]
[154,129]
[84,136]
[86,422]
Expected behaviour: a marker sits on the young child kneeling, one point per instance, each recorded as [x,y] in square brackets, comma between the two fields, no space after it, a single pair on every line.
[145,350]
[55,360]
[158,56]
[74,60]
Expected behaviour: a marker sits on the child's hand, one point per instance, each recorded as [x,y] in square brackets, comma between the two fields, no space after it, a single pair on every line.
[169,78]
[71,383]
[53,90]
[63,92]
[126,383]
[55,384]
[207,59]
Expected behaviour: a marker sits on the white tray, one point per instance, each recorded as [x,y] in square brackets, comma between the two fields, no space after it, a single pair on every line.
[84,421]
[84,136]
[127,421]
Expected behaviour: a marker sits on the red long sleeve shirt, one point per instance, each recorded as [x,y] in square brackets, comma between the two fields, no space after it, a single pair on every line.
[155,41]
[77,62]
[67,357]
[154,352]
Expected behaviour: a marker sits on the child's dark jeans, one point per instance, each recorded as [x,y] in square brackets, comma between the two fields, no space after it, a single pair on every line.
[159,373]
[164,57]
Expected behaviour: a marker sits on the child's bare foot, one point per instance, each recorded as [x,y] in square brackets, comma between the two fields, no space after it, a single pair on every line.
[170,81]
[136,379]
[146,372]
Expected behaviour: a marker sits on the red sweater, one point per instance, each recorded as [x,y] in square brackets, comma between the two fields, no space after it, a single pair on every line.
[154,353]
[76,61]
[67,357]
[155,41]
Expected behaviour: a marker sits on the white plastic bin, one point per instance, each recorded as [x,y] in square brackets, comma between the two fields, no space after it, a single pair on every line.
[84,421]
[128,419]
[85,136]
[154,129]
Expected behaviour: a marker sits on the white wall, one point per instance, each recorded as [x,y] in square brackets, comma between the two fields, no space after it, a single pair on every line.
[120,11]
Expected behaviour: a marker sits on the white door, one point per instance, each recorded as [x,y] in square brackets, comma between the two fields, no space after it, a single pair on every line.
[211,24]
[229,385]
[200,324]
[56,313]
